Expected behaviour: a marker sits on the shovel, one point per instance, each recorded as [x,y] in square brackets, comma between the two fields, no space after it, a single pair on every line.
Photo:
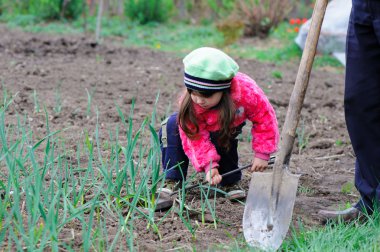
[271,196]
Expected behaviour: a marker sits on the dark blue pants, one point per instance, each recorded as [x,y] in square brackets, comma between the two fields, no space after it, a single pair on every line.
[362,98]
[175,162]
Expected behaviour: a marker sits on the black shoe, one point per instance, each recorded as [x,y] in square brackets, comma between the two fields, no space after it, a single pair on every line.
[348,215]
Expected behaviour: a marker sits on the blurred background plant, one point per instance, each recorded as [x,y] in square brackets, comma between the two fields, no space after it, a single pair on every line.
[260,29]
[145,11]
[44,9]
[231,28]
[260,16]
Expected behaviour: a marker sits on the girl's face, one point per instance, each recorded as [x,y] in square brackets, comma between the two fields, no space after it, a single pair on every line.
[206,101]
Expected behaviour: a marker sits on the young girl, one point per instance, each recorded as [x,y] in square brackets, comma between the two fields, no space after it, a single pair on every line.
[212,112]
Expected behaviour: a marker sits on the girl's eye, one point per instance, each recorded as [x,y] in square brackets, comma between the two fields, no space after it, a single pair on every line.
[207,95]
[201,94]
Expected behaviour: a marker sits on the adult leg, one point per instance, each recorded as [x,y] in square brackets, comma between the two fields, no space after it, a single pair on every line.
[362,105]
[174,160]
[362,99]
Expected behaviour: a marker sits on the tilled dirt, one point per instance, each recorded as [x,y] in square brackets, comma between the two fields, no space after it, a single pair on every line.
[62,69]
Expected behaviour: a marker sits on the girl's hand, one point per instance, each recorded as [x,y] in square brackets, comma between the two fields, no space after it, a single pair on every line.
[213,176]
[259,165]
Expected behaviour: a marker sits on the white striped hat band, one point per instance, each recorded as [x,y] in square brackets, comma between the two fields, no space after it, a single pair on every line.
[200,84]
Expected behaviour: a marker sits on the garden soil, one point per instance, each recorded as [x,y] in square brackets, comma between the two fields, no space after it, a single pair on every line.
[63,70]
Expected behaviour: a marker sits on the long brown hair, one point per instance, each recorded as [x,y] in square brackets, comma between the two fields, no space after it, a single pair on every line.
[188,121]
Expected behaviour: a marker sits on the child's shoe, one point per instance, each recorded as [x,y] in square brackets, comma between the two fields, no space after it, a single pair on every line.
[164,199]
[234,191]
[171,186]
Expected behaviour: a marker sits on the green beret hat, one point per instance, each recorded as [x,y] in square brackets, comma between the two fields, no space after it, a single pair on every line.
[209,69]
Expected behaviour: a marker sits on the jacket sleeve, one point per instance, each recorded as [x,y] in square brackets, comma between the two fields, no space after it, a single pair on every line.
[200,151]
[259,111]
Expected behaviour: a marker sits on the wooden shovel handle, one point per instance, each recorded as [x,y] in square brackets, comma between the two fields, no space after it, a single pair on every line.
[296,100]
[288,133]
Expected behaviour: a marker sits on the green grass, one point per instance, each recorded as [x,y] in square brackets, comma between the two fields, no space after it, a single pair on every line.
[326,60]
[335,236]
[277,74]
[354,236]
[275,55]
[179,37]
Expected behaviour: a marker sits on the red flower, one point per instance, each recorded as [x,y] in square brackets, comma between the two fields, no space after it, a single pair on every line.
[304,20]
[298,21]
[296,29]
[292,21]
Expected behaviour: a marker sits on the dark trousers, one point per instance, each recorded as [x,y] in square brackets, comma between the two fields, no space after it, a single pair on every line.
[362,98]
[175,162]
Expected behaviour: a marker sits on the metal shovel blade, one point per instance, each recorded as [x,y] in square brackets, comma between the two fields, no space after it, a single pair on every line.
[256,230]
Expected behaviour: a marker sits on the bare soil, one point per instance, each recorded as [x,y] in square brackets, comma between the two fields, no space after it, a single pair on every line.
[115,74]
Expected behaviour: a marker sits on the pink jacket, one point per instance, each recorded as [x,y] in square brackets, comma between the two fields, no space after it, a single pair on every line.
[252,104]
